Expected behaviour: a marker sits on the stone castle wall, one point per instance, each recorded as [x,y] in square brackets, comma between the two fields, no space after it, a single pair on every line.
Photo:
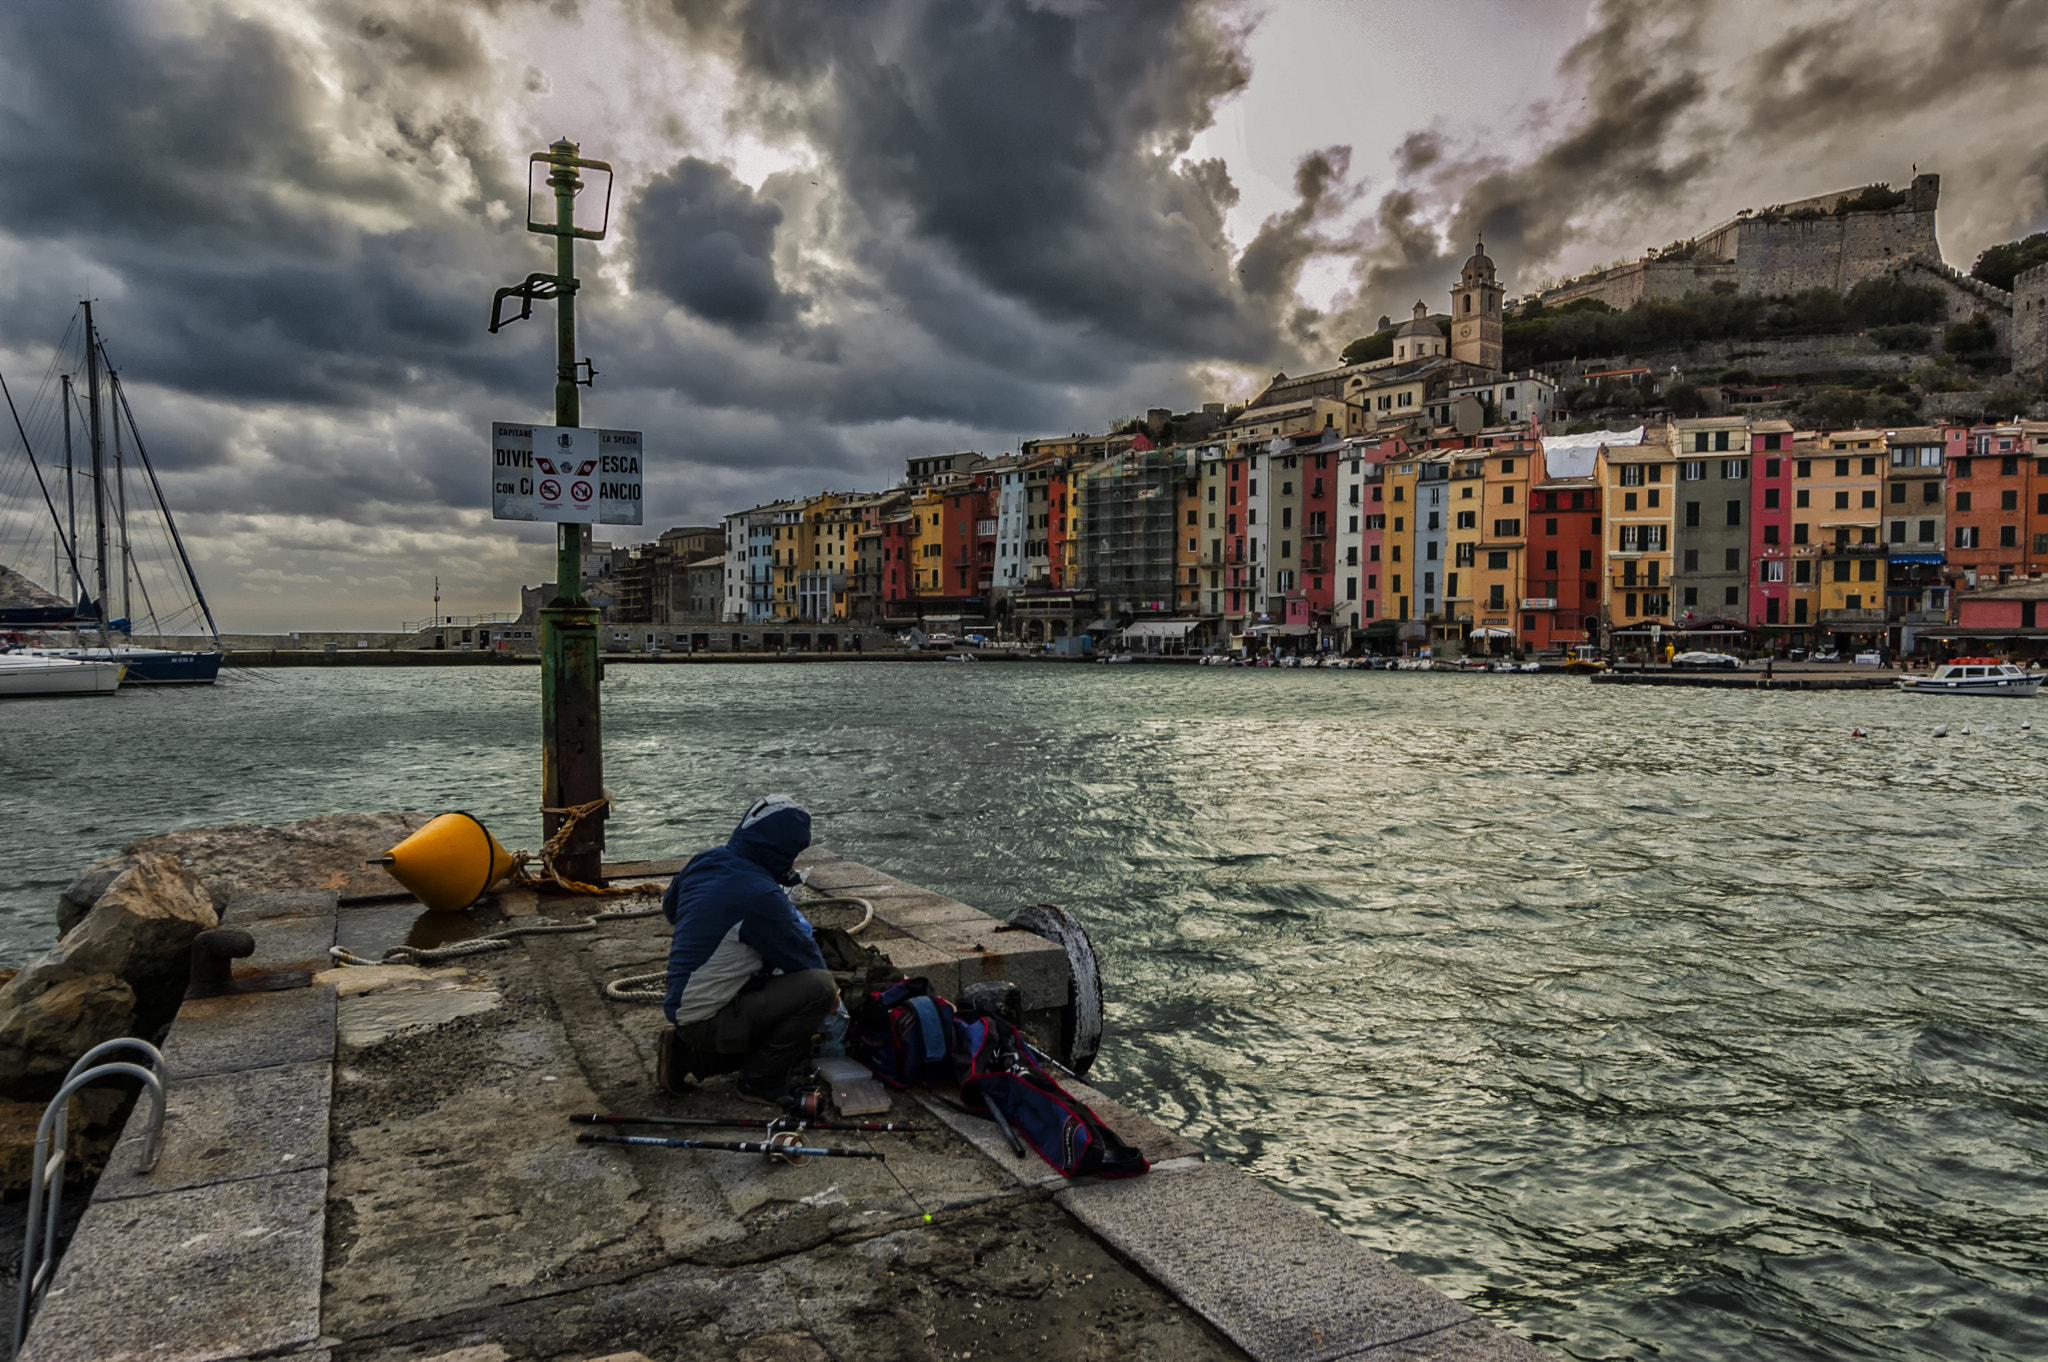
[2030,322]
[1778,254]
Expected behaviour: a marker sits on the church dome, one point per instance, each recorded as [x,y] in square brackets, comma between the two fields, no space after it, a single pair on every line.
[1480,266]
[1419,325]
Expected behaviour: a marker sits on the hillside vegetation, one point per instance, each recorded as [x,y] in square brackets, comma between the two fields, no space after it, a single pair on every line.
[1896,314]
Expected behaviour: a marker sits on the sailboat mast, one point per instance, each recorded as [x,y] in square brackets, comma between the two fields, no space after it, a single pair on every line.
[95,440]
[70,495]
[121,505]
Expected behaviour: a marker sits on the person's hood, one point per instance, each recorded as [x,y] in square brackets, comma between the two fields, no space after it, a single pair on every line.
[773,833]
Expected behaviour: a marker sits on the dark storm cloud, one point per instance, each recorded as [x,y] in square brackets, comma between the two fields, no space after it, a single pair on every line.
[1624,155]
[1843,68]
[1037,143]
[705,240]
[1685,100]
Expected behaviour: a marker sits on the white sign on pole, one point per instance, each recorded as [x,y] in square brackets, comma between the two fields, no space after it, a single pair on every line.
[565,473]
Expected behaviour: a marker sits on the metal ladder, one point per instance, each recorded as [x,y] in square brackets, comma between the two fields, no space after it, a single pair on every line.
[46,1178]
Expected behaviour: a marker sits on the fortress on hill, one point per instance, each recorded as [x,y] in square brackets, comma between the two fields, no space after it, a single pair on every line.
[1833,241]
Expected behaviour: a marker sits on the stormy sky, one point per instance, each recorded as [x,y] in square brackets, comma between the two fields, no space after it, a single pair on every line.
[847,232]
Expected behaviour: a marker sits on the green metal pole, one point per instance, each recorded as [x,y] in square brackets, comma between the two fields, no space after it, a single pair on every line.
[572,757]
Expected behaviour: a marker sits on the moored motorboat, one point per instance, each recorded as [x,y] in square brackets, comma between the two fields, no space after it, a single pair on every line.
[1975,676]
[23,676]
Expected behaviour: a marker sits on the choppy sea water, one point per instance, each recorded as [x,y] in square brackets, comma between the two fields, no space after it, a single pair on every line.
[1652,1023]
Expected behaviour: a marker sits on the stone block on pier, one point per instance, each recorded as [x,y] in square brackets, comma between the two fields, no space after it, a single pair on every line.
[251,1031]
[985,951]
[226,1128]
[202,1275]
[1276,1277]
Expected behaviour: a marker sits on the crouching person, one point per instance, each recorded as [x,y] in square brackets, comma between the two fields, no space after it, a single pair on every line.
[747,988]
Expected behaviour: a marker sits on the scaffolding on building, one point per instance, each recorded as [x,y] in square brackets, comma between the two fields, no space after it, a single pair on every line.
[1127,545]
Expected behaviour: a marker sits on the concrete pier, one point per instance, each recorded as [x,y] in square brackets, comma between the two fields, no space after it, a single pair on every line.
[380,1166]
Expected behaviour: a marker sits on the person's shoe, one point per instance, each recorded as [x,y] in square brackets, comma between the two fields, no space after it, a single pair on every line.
[769,1092]
[674,1065]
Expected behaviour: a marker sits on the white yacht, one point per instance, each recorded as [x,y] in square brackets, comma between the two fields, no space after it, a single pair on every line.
[23,675]
[1974,676]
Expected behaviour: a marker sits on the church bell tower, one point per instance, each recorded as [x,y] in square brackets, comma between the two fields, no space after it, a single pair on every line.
[1476,313]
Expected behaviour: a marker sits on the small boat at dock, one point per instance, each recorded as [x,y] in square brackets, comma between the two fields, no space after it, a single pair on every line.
[1975,676]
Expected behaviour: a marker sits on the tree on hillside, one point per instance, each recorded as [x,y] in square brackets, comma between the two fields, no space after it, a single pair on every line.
[1379,345]
[1999,264]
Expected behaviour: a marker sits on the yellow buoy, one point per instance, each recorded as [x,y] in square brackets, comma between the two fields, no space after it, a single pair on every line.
[449,863]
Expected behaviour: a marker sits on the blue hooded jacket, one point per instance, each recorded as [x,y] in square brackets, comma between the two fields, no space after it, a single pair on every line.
[731,916]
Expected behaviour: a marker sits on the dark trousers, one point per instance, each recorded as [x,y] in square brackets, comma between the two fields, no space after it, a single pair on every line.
[765,1030]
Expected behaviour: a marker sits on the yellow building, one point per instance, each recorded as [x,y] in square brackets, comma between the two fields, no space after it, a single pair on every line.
[1637,488]
[1503,568]
[1397,540]
[1464,526]
[1212,482]
[1838,482]
[1187,540]
[927,542]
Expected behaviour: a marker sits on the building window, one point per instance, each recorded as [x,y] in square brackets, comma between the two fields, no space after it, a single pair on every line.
[1802,571]
[1692,560]
[1799,611]
[1800,498]
[2008,501]
[1962,501]
[1841,501]
[1692,595]
[1692,513]
[1497,560]
[1927,532]
[1770,534]
[1693,470]
[1866,571]
[1770,570]
[2008,536]
[1631,475]
[1898,532]
[1734,513]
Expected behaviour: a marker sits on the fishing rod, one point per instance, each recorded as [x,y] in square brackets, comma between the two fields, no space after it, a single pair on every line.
[741,1122]
[786,1146]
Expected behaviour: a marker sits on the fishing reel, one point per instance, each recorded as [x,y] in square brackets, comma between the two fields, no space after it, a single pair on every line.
[785,1146]
[807,1105]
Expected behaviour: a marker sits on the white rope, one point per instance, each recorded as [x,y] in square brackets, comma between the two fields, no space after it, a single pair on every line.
[481,945]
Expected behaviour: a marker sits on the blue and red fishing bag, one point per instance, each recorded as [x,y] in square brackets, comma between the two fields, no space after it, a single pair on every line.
[908,1037]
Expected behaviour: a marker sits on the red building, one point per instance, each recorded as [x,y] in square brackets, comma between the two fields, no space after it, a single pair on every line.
[1993,504]
[898,585]
[1564,551]
[968,536]
[1770,524]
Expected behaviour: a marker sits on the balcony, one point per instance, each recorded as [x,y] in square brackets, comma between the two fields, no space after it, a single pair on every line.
[1828,550]
[1853,617]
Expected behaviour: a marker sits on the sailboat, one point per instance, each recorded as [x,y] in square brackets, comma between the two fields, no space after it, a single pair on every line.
[92,635]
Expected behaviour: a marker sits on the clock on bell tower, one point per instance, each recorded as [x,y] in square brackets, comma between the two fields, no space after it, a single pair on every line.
[1476,302]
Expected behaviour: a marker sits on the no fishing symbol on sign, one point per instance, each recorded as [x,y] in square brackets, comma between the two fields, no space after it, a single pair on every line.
[565,473]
